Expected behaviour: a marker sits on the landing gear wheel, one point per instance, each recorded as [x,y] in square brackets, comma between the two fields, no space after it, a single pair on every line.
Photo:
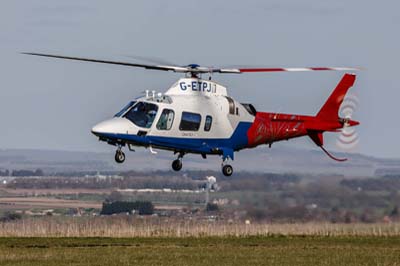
[177,165]
[119,156]
[227,170]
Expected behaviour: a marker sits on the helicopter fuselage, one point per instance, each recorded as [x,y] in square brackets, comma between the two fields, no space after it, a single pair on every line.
[193,116]
[198,116]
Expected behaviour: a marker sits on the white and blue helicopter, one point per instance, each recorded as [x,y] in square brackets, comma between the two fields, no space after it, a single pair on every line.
[198,116]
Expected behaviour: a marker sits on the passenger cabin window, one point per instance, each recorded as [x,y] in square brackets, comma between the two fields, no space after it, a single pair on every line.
[166,120]
[190,122]
[142,114]
[207,125]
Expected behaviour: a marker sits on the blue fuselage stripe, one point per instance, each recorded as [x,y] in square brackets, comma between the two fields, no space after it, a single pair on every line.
[237,141]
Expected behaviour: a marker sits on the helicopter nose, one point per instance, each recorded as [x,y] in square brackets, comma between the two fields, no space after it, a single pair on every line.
[111,126]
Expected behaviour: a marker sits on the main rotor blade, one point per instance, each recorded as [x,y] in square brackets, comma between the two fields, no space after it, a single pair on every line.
[290,69]
[154,67]
[153,60]
[196,69]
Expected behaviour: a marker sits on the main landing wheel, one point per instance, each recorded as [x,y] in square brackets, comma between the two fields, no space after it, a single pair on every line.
[177,165]
[227,170]
[119,156]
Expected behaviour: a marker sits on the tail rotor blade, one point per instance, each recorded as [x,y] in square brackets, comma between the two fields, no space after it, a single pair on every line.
[348,138]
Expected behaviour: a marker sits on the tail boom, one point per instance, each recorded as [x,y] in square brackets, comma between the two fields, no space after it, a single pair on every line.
[271,127]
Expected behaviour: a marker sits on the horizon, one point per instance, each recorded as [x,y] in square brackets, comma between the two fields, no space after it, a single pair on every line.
[280,161]
[257,149]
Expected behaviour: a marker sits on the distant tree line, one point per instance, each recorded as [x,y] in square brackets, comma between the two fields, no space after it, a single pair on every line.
[37,172]
[4,172]
[302,213]
[386,183]
[142,207]
[243,181]
[19,173]
[10,216]
[102,183]
[157,180]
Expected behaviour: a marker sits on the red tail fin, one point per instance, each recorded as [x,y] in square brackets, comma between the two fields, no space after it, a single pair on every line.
[330,110]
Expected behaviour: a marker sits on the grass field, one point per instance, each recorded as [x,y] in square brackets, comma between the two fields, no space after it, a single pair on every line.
[128,240]
[273,250]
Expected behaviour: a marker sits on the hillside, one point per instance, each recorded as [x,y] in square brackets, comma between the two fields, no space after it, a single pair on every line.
[278,160]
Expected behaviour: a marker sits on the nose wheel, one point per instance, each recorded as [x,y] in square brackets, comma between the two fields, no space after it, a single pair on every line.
[119,156]
[177,165]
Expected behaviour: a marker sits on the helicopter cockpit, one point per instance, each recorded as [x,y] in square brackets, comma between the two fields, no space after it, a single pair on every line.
[126,108]
[142,114]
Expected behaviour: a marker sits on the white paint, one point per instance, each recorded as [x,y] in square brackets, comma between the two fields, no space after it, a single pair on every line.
[206,103]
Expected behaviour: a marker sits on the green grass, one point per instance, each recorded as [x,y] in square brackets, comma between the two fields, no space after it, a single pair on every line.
[274,250]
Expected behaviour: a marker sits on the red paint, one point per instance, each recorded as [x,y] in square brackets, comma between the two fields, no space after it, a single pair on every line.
[243,70]
[261,69]
[321,68]
[271,127]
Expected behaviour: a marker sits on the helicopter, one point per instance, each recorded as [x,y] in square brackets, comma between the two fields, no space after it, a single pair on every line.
[198,116]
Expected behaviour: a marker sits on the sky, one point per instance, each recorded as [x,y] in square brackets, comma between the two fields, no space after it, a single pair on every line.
[53,104]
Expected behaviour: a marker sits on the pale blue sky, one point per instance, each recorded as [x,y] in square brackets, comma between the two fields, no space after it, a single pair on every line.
[53,104]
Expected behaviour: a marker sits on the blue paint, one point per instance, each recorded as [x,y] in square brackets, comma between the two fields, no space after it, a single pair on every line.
[193,66]
[227,153]
[236,142]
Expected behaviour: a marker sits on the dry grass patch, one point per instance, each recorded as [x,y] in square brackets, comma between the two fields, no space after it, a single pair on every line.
[157,227]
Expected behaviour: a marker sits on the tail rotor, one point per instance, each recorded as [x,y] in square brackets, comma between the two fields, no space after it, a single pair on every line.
[348,138]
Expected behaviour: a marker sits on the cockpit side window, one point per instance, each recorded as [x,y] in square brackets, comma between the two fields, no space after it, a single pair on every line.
[166,120]
[142,114]
[123,111]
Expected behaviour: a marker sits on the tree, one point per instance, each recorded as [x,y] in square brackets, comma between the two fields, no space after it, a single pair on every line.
[142,207]
[10,216]
[39,172]
[4,173]
[211,207]
[395,212]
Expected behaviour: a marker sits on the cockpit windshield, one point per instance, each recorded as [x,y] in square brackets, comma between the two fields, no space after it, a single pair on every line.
[123,111]
[142,114]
